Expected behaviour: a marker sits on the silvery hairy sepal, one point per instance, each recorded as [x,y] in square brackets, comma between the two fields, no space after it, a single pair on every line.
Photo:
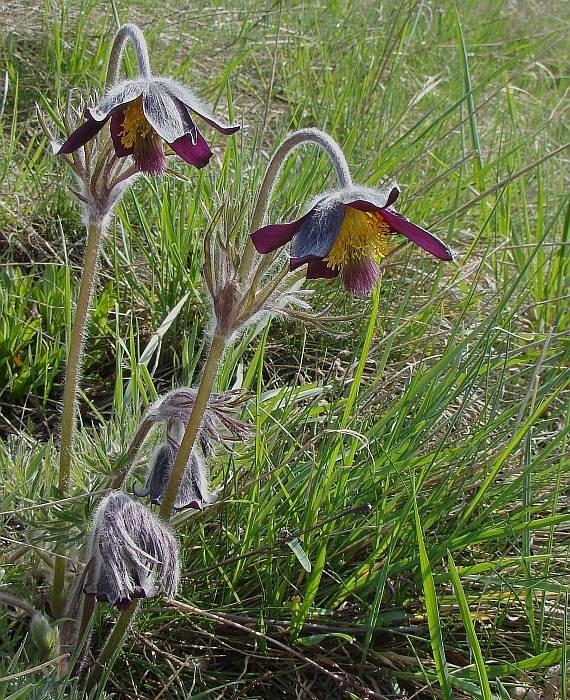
[193,492]
[134,554]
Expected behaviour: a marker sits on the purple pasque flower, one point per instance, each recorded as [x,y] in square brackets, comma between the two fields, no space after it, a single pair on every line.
[347,232]
[134,554]
[193,492]
[143,113]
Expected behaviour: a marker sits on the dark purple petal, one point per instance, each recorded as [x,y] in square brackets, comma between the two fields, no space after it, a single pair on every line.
[294,263]
[319,230]
[361,276]
[227,130]
[364,205]
[193,149]
[417,235]
[268,238]
[149,155]
[82,134]
[116,127]
[318,269]
[393,195]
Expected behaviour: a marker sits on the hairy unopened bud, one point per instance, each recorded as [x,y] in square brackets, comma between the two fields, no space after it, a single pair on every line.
[193,492]
[44,636]
[135,554]
[227,303]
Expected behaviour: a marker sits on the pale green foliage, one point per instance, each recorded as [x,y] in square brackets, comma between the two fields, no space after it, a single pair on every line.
[458,432]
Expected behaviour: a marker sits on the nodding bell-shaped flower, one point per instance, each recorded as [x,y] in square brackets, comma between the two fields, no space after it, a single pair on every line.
[219,426]
[146,111]
[193,492]
[347,232]
[134,554]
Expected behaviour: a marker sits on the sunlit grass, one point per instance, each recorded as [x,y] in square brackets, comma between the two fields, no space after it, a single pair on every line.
[454,583]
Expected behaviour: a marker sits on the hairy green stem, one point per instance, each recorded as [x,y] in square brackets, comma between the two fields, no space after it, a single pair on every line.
[112,646]
[72,376]
[128,32]
[292,142]
[209,375]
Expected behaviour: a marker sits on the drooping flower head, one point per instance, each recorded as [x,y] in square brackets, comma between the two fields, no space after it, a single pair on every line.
[146,111]
[193,492]
[219,427]
[135,555]
[347,233]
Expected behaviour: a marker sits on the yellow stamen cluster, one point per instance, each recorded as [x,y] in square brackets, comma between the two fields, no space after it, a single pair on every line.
[362,234]
[135,125]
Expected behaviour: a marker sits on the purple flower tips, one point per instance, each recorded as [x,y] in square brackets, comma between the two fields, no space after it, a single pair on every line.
[347,233]
[143,114]
[135,555]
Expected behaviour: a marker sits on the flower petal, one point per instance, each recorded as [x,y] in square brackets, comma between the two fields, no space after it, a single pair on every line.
[188,98]
[417,235]
[81,135]
[319,230]
[193,149]
[361,276]
[268,238]
[318,269]
[167,115]
[126,91]
[368,198]
[367,205]
[116,127]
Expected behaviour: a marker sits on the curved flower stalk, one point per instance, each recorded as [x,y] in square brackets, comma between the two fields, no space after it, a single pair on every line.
[134,554]
[347,232]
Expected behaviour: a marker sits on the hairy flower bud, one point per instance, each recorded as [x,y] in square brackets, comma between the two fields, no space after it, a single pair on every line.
[44,635]
[135,554]
[193,492]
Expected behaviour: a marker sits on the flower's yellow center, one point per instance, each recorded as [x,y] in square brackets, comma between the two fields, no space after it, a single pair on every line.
[362,234]
[135,126]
